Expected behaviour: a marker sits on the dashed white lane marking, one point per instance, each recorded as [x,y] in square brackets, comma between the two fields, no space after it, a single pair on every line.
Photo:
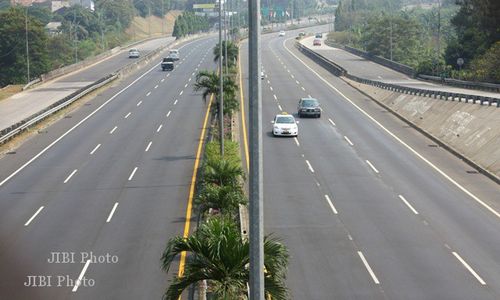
[159,128]
[95,149]
[271,88]
[193,72]
[149,146]
[169,112]
[128,115]
[139,103]
[156,86]
[186,85]
[180,94]
[175,102]
[70,175]
[112,212]
[132,174]
[331,122]
[348,140]
[349,237]
[275,98]
[297,82]
[331,204]
[372,166]
[303,88]
[408,204]
[309,166]
[168,74]
[149,93]
[309,96]
[466,265]
[268,82]
[80,277]
[296,141]
[279,106]
[367,266]
[113,130]
[189,79]
[34,216]
[162,80]
[291,75]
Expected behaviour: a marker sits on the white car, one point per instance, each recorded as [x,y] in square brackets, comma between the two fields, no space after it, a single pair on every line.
[285,125]
[133,53]
[282,33]
[174,54]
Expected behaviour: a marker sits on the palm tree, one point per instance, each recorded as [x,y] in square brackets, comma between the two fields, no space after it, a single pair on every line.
[221,256]
[208,81]
[222,172]
[224,198]
[232,52]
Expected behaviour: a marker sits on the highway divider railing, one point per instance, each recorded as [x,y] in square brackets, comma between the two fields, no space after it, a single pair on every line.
[462,83]
[339,71]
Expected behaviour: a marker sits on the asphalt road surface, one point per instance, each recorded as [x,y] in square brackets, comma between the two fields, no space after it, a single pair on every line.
[368,207]
[108,183]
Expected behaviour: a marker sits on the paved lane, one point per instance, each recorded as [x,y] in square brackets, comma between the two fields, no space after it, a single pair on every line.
[133,160]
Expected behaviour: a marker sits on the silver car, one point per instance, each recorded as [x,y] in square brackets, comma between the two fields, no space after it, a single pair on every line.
[133,53]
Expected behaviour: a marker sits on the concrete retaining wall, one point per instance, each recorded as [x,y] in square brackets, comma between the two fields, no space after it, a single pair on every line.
[470,131]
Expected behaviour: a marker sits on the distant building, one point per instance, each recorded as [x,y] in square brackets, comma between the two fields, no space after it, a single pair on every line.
[25,2]
[58,4]
[89,4]
[53,28]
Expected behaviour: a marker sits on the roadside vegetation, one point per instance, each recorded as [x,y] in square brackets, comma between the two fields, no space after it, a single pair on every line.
[428,38]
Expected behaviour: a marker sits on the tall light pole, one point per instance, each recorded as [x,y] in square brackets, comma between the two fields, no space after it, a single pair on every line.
[255,184]
[27,46]
[221,86]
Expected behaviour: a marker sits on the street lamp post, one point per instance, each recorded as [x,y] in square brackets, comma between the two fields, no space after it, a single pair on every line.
[221,86]
[27,47]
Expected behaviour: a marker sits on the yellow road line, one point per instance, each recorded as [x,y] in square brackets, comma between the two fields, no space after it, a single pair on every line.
[191,188]
[243,122]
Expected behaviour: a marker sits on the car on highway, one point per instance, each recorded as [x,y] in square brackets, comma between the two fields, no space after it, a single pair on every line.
[167,64]
[133,53]
[319,35]
[309,107]
[262,75]
[317,42]
[174,54]
[285,125]
[282,33]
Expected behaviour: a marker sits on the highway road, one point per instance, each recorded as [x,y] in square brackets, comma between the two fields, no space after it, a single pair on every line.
[368,207]
[109,182]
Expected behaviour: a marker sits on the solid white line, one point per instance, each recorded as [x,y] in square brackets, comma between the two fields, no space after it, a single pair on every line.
[79,280]
[147,148]
[296,141]
[271,88]
[181,93]
[32,217]
[186,85]
[168,114]
[79,123]
[112,212]
[175,102]
[149,93]
[113,130]
[159,128]
[163,79]
[279,106]
[156,86]
[132,174]
[275,98]
[408,204]
[309,165]
[331,204]
[70,175]
[139,103]
[489,208]
[128,115]
[95,149]
[367,266]
[331,121]
[373,167]
[466,265]
[348,140]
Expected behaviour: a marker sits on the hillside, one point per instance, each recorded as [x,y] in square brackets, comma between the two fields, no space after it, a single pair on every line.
[140,28]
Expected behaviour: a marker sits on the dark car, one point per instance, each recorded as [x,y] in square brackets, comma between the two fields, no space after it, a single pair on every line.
[319,35]
[167,64]
[309,107]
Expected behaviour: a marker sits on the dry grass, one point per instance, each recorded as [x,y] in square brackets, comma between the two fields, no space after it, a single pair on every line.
[141,27]
[10,90]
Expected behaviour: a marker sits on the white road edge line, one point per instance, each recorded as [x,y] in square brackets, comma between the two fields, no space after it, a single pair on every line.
[70,175]
[132,174]
[169,112]
[149,146]
[80,123]
[113,130]
[159,128]
[95,149]
[348,140]
[34,216]
[408,204]
[331,205]
[112,212]
[128,115]
[372,166]
[80,277]
[296,141]
[466,265]
[489,208]
[309,166]
[367,266]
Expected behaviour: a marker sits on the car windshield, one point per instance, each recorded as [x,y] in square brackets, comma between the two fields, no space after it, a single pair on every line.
[133,50]
[309,103]
[285,120]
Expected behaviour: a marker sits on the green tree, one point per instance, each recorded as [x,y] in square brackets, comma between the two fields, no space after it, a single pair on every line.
[224,198]
[222,172]
[208,81]
[232,53]
[13,64]
[220,255]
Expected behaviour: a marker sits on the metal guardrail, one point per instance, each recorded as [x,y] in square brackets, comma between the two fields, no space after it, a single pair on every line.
[462,83]
[15,129]
[339,71]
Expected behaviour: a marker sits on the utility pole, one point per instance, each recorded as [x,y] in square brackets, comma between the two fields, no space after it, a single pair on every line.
[439,36]
[221,86]
[256,203]
[225,37]
[27,47]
